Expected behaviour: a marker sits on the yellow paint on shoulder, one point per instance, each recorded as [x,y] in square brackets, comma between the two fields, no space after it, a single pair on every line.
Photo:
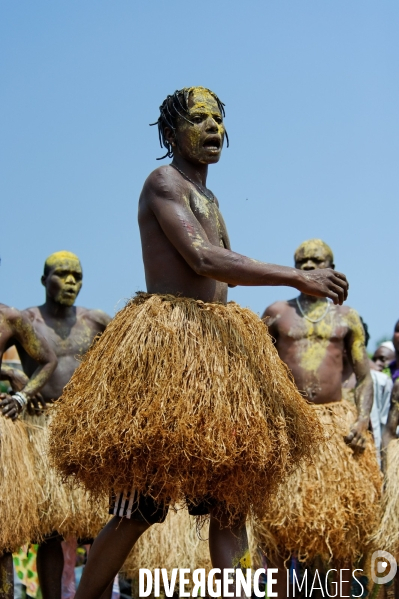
[354,323]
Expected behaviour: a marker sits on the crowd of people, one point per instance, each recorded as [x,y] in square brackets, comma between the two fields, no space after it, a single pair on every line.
[281,423]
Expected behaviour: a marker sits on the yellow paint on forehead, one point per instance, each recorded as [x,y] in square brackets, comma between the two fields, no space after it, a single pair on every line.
[313,248]
[202,98]
[61,256]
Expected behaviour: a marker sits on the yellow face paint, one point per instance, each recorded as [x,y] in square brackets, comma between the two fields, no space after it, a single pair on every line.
[61,256]
[202,111]
[314,248]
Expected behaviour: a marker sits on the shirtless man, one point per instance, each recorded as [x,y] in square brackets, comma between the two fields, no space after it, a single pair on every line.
[312,336]
[15,327]
[186,253]
[70,331]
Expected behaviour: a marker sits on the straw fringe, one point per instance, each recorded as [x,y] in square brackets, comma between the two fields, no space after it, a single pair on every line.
[183,399]
[20,492]
[330,507]
[64,508]
[387,535]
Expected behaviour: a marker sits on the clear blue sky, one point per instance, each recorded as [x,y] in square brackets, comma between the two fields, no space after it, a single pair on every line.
[311,93]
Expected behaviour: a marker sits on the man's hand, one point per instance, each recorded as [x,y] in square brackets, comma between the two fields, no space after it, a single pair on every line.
[356,439]
[36,405]
[324,282]
[9,407]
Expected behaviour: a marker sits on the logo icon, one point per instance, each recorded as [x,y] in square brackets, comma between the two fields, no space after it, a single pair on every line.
[383,567]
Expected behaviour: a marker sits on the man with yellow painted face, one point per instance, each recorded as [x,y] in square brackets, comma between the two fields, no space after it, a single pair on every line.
[330,508]
[189,383]
[69,330]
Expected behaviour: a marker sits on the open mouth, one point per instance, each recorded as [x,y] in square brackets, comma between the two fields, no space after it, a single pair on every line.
[212,143]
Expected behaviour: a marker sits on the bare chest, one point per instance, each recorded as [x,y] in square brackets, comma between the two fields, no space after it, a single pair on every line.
[68,340]
[208,215]
[330,328]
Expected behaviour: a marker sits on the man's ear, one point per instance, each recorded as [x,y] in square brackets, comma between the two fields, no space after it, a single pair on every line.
[169,135]
[43,280]
[332,265]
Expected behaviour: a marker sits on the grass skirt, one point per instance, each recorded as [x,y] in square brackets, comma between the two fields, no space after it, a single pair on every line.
[20,492]
[63,508]
[387,535]
[183,399]
[330,507]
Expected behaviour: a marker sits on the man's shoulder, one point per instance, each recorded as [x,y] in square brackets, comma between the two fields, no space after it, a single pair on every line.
[9,312]
[161,183]
[350,316]
[96,317]
[279,307]
[32,314]
[276,310]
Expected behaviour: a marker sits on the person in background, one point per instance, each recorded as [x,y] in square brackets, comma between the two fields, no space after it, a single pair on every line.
[382,357]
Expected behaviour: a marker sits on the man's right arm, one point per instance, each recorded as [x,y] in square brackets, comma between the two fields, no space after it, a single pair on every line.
[189,238]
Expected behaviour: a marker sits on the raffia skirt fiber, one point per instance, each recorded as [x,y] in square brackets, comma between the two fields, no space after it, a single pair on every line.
[328,508]
[64,508]
[387,535]
[20,492]
[184,400]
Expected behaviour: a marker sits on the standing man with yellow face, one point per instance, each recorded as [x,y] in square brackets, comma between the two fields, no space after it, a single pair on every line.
[330,507]
[69,330]
[199,408]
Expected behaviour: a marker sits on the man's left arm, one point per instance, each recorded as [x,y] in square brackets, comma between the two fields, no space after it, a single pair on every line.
[356,349]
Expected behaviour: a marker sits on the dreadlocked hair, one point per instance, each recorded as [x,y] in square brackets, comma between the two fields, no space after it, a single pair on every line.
[175,107]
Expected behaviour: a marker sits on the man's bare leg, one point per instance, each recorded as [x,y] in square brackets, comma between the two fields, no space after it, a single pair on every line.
[107,555]
[281,576]
[6,577]
[346,578]
[50,564]
[228,545]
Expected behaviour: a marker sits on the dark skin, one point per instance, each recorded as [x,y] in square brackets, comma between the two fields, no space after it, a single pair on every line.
[70,331]
[14,326]
[315,352]
[186,251]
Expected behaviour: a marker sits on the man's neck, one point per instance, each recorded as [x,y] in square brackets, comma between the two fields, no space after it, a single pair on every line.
[309,299]
[56,310]
[197,172]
